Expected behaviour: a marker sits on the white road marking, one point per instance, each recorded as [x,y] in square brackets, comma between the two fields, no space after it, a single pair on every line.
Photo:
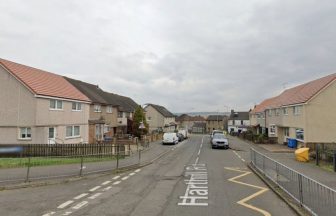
[199,152]
[95,196]
[132,174]
[81,196]
[117,182]
[63,205]
[107,182]
[107,188]
[116,177]
[243,160]
[80,205]
[138,170]
[67,213]
[49,214]
[124,178]
[95,188]
[196,160]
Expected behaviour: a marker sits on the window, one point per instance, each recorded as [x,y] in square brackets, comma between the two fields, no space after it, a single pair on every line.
[109,109]
[297,110]
[127,115]
[56,104]
[269,113]
[97,108]
[277,112]
[25,133]
[72,131]
[272,129]
[299,134]
[120,114]
[285,111]
[76,106]
[286,132]
[149,118]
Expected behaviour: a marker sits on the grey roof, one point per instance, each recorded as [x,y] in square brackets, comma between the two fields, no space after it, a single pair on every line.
[162,110]
[216,117]
[97,95]
[93,92]
[239,116]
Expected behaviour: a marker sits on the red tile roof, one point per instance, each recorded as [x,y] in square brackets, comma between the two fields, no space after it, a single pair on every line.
[296,95]
[43,83]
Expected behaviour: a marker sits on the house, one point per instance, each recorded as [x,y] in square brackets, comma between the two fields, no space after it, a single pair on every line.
[304,113]
[216,122]
[110,114]
[159,118]
[238,121]
[185,121]
[199,127]
[40,107]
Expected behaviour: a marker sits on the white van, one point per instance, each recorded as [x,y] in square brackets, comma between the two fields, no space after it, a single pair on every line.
[184,133]
[170,138]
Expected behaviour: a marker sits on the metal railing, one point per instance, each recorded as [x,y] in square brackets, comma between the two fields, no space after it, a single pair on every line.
[317,198]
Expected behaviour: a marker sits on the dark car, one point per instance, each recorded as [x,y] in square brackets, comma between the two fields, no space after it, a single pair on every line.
[180,137]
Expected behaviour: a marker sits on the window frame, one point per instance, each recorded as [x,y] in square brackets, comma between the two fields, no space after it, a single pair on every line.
[73,135]
[285,111]
[109,109]
[97,106]
[272,129]
[26,133]
[78,106]
[296,134]
[57,102]
[297,110]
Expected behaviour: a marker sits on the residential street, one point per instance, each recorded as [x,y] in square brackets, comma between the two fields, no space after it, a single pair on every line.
[160,188]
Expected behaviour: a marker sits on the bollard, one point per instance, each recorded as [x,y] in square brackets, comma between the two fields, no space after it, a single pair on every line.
[81,167]
[28,170]
[139,156]
[300,189]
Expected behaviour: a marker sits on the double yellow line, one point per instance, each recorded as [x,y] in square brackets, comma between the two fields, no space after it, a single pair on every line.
[243,201]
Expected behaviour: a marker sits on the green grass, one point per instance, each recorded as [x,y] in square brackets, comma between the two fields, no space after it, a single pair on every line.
[324,165]
[49,161]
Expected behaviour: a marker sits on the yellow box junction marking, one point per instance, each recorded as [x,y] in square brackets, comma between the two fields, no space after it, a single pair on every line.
[246,199]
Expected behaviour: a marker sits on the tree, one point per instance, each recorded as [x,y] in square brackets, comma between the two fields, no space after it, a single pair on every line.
[139,117]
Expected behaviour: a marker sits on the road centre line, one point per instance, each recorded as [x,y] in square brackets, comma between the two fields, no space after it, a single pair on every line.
[124,178]
[80,205]
[67,213]
[107,188]
[131,174]
[115,177]
[117,182]
[107,182]
[63,205]
[95,188]
[138,170]
[81,196]
[95,196]
[49,214]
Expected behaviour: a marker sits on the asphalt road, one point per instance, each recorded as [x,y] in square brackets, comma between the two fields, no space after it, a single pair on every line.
[192,179]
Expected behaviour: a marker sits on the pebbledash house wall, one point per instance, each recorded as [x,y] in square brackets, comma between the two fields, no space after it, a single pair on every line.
[20,108]
[156,119]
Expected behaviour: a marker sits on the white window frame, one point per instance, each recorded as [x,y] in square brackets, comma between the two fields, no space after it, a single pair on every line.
[109,109]
[97,108]
[72,131]
[78,106]
[297,110]
[26,133]
[277,112]
[286,132]
[296,132]
[57,102]
[285,111]
[270,113]
[272,129]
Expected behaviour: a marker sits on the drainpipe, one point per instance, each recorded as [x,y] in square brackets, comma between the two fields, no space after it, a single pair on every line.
[265,121]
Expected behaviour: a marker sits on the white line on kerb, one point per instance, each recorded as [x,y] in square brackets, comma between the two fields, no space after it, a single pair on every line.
[95,196]
[95,188]
[49,214]
[115,177]
[107,182]
[80,205]
[81,196]
[124,178]
[107,188]
[63,205]
[138,170]
[117,182]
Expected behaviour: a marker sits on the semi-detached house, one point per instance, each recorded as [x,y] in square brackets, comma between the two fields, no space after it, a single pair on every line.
[40,107]
[305,113]
[159,118]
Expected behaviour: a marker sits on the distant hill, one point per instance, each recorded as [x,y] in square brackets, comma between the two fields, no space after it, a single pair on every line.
[204,114]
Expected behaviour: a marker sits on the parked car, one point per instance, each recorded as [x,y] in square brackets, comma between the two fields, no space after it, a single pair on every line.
[184,133]
[215,132]
[170,138]
[219,141]
[180,137]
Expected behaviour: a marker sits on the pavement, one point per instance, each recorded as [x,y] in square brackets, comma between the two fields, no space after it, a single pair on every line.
[285,156]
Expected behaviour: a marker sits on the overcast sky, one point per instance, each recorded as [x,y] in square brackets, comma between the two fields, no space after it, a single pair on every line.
[191,55]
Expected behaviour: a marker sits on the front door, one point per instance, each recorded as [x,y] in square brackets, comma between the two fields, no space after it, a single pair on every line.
[52,135]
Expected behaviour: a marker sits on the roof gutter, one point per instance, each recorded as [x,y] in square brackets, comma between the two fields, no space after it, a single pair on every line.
[60,98]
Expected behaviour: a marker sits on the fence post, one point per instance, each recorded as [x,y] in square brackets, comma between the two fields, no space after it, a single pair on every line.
[334,160]
[264,164]
[81,167]
[300,189]
[277,171]
[139,156]
[28,169]
[118,156]
[317,155]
